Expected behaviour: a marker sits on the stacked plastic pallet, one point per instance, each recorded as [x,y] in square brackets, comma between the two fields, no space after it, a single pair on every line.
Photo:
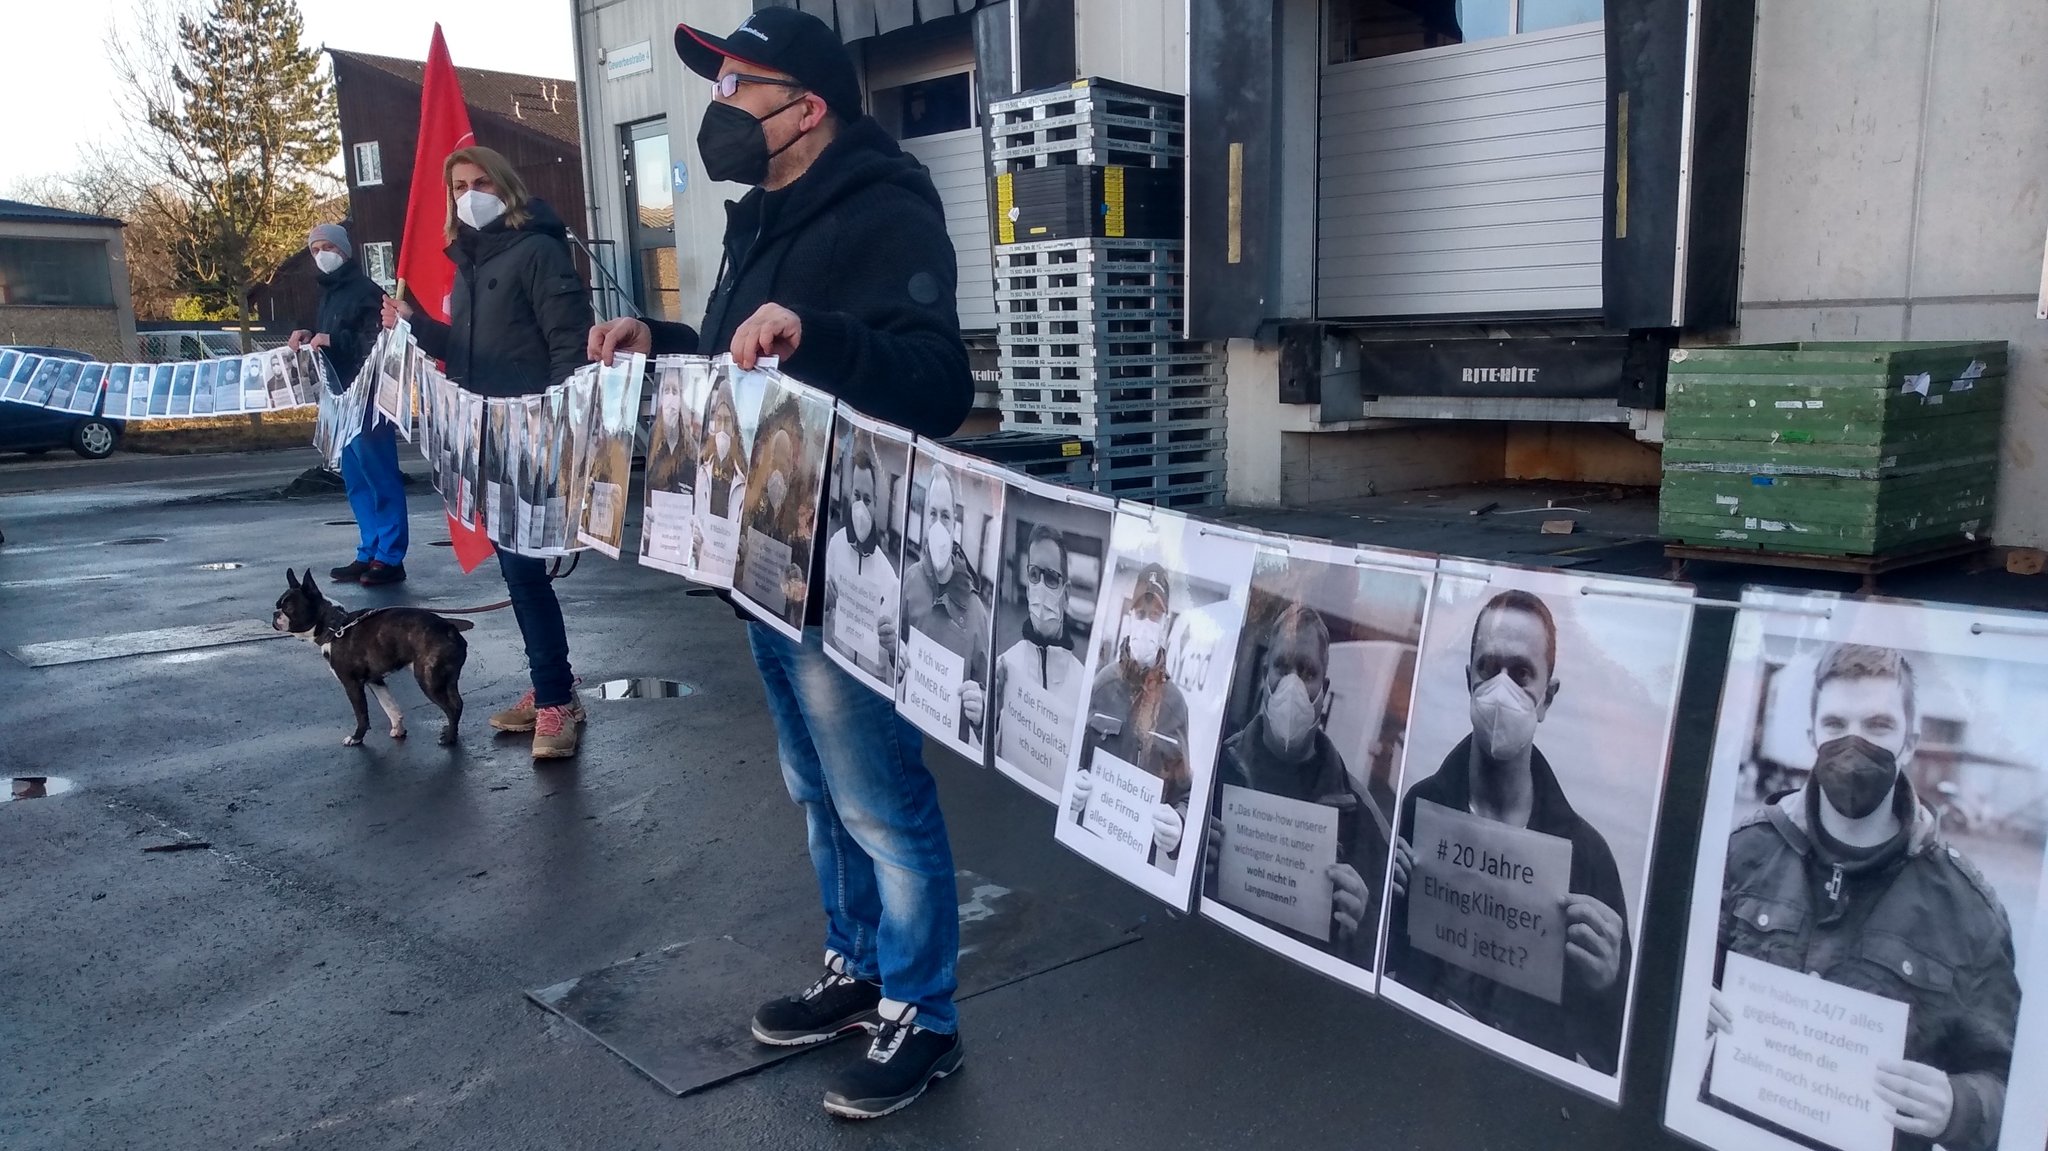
[1089,326]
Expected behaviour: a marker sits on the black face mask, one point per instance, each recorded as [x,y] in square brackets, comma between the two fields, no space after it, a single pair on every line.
[734,144]
[1855,774]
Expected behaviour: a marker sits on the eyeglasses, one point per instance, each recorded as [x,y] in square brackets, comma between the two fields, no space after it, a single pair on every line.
[728,85]
[1045,577]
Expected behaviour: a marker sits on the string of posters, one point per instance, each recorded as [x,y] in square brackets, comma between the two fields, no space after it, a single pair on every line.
[266,381]
[1431,779]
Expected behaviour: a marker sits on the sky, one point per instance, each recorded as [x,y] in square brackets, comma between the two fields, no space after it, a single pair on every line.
[61,48]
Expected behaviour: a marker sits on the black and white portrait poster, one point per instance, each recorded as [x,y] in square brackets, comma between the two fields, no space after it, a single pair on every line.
[45,379]
[779,523]
[227,386]
[1531,781]
[118,377]
[732,412]
[468,499]
[10,359]
[616,413]
[944,627]
[390,356]
[1864,961]
[674,445]
[866,512]
[535,477]
[277,380]
[501,509]
[153,401]
[565,401]
[181,390]
[1143,751]
[204,382]
[1302,818]
[1048,574]
[25,369]
[255,385]
[577,443]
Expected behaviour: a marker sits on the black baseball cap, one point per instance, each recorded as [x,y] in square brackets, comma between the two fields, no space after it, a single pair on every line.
[785,40]
[1152,581]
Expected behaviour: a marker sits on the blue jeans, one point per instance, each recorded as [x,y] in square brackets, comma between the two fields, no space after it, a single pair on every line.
[878,841]
[540,625]
[376,494]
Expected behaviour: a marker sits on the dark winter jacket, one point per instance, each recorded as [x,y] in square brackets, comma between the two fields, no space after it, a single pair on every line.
[1918,925]
[1586,1024]
[857,248]
[351,307]
[519,318]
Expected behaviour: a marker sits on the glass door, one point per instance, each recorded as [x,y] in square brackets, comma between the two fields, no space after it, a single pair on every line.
[651,218]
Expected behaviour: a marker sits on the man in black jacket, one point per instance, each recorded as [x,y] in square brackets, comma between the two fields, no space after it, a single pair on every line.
[345,330]
[1497,773]
[838,264]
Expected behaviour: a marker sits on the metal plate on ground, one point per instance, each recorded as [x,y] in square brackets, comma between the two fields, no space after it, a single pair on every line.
[165,639]
[679,1015]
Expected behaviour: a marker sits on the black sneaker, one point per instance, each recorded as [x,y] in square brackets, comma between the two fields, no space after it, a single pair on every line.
[901,1061]
[349,572]
[380,573]
[836,1004]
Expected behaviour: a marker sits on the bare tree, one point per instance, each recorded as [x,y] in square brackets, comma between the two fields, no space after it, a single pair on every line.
[236,117]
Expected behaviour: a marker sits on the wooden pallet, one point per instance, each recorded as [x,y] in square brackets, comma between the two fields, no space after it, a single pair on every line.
[1869,567]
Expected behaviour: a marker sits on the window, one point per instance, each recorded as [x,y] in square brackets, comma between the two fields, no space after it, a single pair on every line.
[369,165]
[55,273]
[926,107]
[1368,29]
[381,267]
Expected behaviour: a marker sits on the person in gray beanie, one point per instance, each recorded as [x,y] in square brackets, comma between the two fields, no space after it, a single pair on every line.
[351,305]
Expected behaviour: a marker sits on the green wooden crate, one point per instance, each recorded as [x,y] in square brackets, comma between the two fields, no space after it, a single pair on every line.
[1845,449]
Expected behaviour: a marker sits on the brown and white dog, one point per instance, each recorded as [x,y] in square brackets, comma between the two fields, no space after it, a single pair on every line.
[362,647]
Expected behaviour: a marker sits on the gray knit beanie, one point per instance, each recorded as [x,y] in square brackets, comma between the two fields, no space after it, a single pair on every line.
[334,234]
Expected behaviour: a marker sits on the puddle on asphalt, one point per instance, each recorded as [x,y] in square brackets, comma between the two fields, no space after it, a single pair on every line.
[36,787]
[440,543]
[337,523]
[130,540]
[644,688]
[223,566]
[53,581]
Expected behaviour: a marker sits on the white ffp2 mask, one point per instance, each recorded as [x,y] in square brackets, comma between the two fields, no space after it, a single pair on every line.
[328,261]
[1503,718]
[478,209]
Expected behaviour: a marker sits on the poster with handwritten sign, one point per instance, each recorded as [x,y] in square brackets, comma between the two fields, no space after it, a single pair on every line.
[1274,858]
[1803,1053]
[1488,897]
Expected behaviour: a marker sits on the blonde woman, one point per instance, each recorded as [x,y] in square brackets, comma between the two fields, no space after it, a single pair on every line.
[518,318]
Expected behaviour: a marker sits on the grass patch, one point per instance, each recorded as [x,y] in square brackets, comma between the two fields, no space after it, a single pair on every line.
[291,428]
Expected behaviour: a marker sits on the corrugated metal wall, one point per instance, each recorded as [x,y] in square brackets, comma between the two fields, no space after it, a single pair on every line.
[1463,180]
[955,161]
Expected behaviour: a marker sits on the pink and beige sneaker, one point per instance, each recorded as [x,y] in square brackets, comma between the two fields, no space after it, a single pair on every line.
[555,730]
[519,717]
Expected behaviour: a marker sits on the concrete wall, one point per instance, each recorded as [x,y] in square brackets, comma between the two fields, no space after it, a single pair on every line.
[1898,149]
[108,333]
[1142,42]
[94,331]
[669,90]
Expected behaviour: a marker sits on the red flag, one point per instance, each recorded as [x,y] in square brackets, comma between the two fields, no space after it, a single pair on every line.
[423,264]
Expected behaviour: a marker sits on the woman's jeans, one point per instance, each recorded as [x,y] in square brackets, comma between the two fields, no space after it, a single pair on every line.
[540,624]
[878,841]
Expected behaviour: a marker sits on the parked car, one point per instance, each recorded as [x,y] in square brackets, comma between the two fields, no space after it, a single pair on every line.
[200,344]
[37,430]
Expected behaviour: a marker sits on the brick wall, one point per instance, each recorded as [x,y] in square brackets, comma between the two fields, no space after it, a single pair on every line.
[96,331]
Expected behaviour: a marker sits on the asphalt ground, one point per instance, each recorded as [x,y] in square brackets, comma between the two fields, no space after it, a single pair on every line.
[344,967]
